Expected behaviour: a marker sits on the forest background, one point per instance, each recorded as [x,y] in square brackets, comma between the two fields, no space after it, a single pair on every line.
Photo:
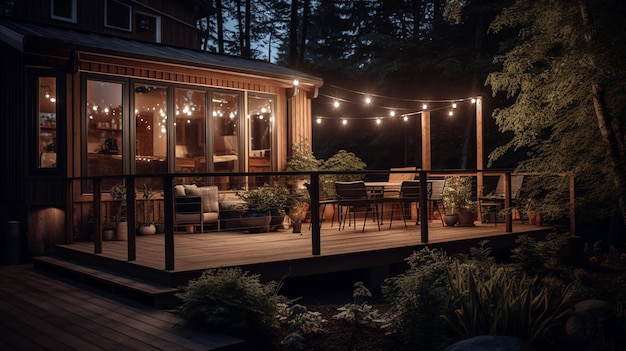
[550,74]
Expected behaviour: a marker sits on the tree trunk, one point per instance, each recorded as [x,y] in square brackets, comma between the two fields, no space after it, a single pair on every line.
[293,35]
[247,46]
[303,31]
[220,26]
[608,125]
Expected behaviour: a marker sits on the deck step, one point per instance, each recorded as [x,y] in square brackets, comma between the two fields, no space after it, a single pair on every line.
[149,293]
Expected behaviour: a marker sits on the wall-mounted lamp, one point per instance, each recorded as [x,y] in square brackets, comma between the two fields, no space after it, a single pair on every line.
[292,92]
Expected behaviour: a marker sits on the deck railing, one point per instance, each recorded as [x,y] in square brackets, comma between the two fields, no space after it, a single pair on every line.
[95,206]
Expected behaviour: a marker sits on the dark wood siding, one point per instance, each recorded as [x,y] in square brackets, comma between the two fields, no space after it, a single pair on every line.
[13,135]
[177,18]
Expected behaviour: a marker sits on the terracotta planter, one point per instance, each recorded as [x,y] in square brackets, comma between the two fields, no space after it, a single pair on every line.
[451,220]
[108,234]
[466,218]
[297,227]
[121,232]
[256,224]
[147,229]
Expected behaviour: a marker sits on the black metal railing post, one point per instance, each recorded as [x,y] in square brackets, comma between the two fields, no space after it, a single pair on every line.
[168,216]
[130,218]
[97,222]
[423,206]
[315,214]
[508,214]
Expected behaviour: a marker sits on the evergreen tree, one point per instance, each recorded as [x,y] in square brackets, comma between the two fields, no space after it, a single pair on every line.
[565,73]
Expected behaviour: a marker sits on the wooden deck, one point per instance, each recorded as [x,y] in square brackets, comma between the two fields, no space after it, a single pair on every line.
[275,255]
[38,312]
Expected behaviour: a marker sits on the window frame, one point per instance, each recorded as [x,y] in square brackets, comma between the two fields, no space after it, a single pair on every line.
[61,123]
[72,19]
[157,29]
[106,16]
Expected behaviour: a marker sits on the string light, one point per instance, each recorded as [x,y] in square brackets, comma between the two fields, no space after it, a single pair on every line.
[430,105]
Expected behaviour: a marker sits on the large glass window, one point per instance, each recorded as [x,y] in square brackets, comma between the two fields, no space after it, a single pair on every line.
[47,122]
[104,128]
[226,115]
[126,130]
[190,130]
[151,129]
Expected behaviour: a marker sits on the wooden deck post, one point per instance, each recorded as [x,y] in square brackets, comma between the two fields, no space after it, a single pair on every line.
[426,148]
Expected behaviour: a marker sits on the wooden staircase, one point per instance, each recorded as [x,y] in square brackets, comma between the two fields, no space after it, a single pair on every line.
[111,280]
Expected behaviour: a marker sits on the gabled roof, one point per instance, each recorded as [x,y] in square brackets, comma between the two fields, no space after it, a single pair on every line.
[30,37]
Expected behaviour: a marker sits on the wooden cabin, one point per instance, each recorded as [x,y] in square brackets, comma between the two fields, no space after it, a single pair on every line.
[104,87]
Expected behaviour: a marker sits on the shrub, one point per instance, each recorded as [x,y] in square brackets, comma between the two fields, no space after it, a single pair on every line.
[233,302]
[440,298]
[499,302]
[418,298]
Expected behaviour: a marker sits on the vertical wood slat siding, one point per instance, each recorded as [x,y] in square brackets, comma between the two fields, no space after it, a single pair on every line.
[13,133]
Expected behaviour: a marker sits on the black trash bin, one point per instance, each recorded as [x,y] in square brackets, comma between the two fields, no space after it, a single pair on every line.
[12,248]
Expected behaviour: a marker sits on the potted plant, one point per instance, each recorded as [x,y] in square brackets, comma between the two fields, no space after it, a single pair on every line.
[298,207]
[302,160]
[118,193]
[147,225]
[276,199]
[255,209]
[457,201]
[341,161]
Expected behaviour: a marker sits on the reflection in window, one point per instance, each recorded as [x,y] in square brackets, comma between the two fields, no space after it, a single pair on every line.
[224,109]
[104,129]
[47,122]
[190,130]
[260,119]
[151,129]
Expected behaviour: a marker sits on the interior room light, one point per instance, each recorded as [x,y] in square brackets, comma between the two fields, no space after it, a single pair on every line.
[378,121]
[406,118]
[53,99]
[424,106]
[473,100]
[319,120]
[344,121]
[392,113]
[454,105]
[336,103]
[368,100]
[450,113]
